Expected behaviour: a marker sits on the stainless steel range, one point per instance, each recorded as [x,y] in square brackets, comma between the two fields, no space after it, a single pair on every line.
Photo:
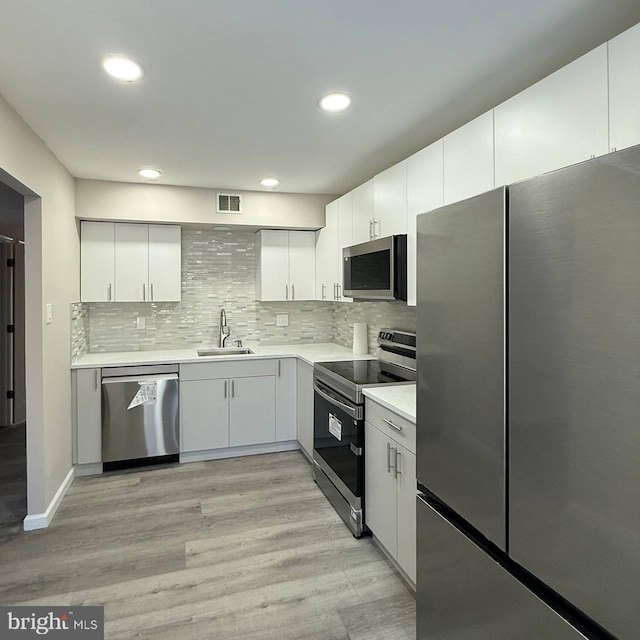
[338,428]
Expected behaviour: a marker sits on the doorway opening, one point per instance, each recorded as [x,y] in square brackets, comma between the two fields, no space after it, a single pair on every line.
[13,445]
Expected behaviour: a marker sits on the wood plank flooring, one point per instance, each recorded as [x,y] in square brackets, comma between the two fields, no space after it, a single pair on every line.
[244,548]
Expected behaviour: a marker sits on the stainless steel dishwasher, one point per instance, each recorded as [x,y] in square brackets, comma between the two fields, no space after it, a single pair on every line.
[140,415]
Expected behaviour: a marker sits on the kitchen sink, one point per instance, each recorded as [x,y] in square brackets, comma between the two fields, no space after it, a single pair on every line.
[225,351]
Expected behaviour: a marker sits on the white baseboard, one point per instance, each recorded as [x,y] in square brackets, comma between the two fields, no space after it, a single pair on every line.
[236,452]
[43,520]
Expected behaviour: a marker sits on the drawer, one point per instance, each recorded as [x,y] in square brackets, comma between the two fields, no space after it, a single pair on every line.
[403,431]
[230,369]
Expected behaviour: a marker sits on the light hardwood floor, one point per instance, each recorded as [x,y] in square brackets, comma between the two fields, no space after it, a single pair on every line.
[244,548]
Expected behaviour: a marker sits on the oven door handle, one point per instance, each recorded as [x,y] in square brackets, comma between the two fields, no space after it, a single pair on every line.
[350,410]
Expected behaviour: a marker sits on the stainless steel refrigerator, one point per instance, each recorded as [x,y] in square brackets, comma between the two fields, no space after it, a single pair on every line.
[529,409]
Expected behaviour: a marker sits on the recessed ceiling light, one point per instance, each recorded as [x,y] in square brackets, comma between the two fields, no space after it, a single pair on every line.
[149,173]
[270,182]
[122,68]
[335,102]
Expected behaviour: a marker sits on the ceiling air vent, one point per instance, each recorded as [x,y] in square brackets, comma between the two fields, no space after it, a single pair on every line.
[229,203]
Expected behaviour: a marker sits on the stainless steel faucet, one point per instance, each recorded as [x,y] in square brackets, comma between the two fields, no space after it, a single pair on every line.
[224,329]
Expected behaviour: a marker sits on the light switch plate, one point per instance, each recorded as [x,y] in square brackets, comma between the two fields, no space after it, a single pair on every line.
[282,320]
[49,313]
[141,322]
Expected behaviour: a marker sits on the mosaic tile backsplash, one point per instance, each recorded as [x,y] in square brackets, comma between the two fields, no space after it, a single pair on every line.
[218,271]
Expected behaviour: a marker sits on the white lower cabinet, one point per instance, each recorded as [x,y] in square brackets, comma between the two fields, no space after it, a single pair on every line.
[88,416]
[304,403]
[252,411]
[204,415]
[286,406]
[390,497]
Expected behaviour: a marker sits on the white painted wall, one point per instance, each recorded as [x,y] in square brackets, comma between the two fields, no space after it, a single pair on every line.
[52,275]
[103,200]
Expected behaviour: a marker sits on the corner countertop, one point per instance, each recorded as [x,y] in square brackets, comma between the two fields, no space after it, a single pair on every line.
[309,353]
[400,399]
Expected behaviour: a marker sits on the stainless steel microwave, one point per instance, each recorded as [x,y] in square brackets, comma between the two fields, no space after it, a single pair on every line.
[376,270]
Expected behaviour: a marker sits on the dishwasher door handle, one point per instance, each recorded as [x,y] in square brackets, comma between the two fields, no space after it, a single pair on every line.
[142,379]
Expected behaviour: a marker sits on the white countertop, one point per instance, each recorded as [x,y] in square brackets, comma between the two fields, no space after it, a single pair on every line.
[310,353]
[400,399]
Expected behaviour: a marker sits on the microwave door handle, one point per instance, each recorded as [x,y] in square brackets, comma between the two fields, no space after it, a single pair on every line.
[350,410]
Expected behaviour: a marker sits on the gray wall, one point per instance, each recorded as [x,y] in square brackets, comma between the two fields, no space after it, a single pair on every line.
[218,271]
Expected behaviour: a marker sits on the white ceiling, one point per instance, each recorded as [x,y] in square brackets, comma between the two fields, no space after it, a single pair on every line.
[231,86]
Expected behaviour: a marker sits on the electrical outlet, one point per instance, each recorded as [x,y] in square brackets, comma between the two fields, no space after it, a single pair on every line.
[49,313]
[141,322]
[282,320]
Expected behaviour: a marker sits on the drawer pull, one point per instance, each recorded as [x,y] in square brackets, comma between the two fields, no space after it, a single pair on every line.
[393,426]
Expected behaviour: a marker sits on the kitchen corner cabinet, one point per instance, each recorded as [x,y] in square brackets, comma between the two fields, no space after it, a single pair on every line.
[286,408]
[425,191]
[624,89]
[285,265]
[390,202]
[345,239]
[560,121]
[330,240]
[390,507]
[363,213]
[468,160]
[127,262]
[88,416]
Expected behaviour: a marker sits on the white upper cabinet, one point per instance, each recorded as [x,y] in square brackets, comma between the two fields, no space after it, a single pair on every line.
[468,160]
[165,256]
[624,89]
[425,182]
[557,122]
[285,265]
[326,265]
[302,265]
[97,261]
[127,262]
[363,212]
[390,201]
[345,239]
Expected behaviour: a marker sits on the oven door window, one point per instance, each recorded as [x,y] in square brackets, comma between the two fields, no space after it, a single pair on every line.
[368,272]
[338,438]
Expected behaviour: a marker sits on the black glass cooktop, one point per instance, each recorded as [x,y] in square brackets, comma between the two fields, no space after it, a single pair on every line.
[360,372]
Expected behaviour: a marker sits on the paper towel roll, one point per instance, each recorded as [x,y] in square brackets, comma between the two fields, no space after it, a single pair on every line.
[360,339]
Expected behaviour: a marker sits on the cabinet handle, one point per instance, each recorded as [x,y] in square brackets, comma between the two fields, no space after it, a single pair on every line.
[398,471]
[286,291]
[293,291]
[370,230]
[233,388]
[225,389]
[339,291]
[393,426]
[389,450]
[279,367]
[375,233]
[96,380]
[144,291]
[335,295]
[324,293]
[151,286]
[109,294]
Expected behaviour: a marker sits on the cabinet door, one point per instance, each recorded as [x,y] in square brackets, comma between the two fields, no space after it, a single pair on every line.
[304,402]
[204,415]
[363,212]
[380,496]
[406,487]
[252,411]
[286,410]
[272,265]
[390,201]
[302,265]
[97,261]
[468,160]
[425,191]
[132,262]
[326,242]
[557,122]
[345,239]
[88,416]
[624,89]
[165,263]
